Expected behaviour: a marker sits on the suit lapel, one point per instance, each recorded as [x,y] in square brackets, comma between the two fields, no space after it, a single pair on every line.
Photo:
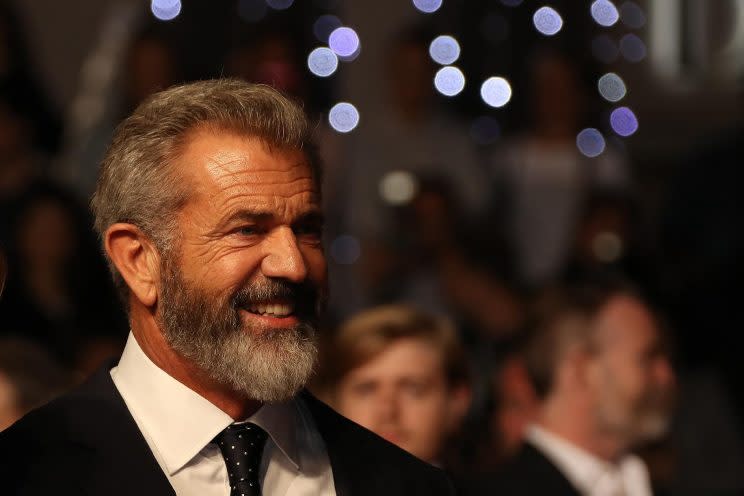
[351,464]
[126,465]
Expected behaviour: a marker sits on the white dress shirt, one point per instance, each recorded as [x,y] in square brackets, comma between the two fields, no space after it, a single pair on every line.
[590,475]
[179,426]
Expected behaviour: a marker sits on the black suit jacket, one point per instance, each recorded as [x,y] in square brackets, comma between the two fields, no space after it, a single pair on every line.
[87,442]
[528,473]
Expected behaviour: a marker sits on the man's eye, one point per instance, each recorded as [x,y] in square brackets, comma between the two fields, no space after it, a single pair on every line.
[248,230]
[308,231]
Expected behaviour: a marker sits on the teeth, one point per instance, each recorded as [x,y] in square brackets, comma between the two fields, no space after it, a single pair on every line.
[275,310]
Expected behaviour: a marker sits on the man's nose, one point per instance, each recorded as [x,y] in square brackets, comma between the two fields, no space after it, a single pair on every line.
[387,407]
[283,258]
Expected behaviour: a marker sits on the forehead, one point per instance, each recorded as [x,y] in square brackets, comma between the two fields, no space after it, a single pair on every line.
[222,166]
[404,357]
[626,323]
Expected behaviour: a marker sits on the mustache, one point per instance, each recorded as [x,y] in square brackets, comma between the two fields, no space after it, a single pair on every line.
[306,297]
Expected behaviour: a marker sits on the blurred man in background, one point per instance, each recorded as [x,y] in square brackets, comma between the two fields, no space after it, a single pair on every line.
[401,373]
[598,362]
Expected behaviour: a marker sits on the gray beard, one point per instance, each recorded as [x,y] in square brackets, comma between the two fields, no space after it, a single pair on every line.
[263,364]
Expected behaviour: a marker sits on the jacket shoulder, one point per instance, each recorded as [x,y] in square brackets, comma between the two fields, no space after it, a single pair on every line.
[362,460]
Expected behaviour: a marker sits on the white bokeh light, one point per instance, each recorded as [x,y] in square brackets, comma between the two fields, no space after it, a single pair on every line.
[612,87]
[343,117]
[590,142]
[496,91]
[547,20]
[398,187]
[444,50]
[427,6]
[322,62]
[604,13]
[449,81]
[165,10]
[344,41]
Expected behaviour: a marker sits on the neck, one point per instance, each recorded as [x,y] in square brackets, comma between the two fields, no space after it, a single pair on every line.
[578,426]
[150,338]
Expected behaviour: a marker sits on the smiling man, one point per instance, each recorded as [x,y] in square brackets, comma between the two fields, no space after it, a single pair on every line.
[207,206]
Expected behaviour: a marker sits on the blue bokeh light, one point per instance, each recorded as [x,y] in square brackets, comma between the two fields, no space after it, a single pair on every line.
[633,48]
[345,249]
[590,142]
[279,4]
[324,26]
[344,41]
[623,121]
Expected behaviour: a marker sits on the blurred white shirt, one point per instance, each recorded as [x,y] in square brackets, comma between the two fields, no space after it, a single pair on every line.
[179,426]
[590,475]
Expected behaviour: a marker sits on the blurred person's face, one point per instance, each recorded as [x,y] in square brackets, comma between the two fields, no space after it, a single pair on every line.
[240,296]
[46,235]
[632,380]
[517,404]
[402,395]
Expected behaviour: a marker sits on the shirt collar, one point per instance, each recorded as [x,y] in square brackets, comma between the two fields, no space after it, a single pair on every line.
[580,467]
[179,421]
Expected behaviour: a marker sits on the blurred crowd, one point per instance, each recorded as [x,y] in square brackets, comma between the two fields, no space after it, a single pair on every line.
[484,295]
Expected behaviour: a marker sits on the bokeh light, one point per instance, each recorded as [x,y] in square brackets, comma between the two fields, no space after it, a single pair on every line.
[252,10]
[632,15]
[547,20]
[444,50]
[322,62]
[623,121]
[165,10]
[605,49]
[398,187]
[632,48]
[279,4]
[496,91]
[604,12]
[427,6]
[612,87]
[344,41]
[345,249]
[324,26]
[343,117]
[590,142]
[449,81]
[485,130]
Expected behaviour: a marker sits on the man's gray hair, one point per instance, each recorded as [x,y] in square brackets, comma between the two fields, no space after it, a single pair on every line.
[137,183]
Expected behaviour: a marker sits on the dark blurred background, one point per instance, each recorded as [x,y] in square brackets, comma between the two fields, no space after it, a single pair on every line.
[607,145]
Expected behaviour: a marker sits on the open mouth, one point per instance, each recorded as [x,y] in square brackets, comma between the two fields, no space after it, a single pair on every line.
[275,309]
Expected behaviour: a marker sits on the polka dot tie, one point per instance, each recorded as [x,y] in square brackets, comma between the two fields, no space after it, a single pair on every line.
[242,446]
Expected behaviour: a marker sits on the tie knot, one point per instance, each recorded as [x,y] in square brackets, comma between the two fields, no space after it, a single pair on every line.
[242,447]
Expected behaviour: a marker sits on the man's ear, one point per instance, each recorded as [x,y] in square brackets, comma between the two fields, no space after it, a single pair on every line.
[136,258]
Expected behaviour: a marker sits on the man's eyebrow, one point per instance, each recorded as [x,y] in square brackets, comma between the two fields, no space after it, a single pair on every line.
[311,216]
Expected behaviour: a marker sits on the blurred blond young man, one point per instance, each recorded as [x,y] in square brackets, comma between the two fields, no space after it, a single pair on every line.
[402,374]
